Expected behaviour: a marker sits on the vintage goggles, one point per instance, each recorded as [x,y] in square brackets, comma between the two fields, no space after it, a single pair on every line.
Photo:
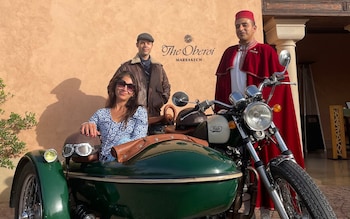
[130,87]
[82,149]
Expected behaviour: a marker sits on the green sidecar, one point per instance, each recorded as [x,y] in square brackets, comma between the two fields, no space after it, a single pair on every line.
[159,176]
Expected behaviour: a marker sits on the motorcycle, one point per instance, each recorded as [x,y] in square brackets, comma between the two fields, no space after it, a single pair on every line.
[239,131]
[198,166]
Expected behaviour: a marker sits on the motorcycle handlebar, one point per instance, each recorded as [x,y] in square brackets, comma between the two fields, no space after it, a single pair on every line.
[274,80]
[206,104]
[203,106]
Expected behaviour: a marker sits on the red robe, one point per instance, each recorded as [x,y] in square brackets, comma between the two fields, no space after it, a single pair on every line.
[260,62]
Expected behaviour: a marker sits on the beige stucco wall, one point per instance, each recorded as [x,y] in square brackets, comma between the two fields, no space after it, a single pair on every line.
[56,57]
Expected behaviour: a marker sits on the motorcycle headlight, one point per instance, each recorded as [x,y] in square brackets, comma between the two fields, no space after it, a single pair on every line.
[258,116]
[82,149]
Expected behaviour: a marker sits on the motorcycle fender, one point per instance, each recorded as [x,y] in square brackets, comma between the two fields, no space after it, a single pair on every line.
[218,129]
[53,185]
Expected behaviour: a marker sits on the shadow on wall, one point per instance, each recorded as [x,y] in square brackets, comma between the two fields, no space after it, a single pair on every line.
[64,117]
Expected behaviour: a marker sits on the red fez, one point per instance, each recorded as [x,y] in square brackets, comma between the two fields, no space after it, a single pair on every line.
[245,14]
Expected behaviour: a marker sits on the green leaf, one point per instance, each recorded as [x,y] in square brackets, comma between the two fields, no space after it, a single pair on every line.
[10,145]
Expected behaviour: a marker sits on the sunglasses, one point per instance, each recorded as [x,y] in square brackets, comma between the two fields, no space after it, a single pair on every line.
[130,87]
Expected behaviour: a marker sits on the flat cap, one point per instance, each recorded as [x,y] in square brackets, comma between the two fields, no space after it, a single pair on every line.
[145,36]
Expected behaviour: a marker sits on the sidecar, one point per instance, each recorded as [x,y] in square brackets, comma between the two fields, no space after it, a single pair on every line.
[159,176]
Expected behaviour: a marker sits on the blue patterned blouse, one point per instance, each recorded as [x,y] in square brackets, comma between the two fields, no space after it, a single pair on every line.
[114,133]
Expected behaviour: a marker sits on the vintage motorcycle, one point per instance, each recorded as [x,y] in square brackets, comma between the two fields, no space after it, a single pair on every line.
[199,171]
[239,131]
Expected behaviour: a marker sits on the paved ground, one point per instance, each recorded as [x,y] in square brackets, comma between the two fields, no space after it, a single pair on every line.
[338,196]
[6,212]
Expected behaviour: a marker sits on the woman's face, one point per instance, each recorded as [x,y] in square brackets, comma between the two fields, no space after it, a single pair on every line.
[124,88]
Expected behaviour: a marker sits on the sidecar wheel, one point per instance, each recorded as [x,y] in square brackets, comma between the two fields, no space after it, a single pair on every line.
[300,195]
[29,200]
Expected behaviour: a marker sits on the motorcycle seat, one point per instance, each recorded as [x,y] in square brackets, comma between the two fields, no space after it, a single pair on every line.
[171,129]
[166,118]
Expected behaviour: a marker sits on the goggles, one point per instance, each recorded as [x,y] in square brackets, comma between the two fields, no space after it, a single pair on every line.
[121,85]
[82,149]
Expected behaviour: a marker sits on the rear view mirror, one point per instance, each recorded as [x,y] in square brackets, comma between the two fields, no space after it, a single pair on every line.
[180,98]
[284,58]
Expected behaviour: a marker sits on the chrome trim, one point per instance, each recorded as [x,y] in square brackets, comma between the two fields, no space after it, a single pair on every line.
[281,158]
[237,99]
[253,91]
[123,179]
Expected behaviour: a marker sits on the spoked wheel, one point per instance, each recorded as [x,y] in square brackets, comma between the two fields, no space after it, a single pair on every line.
[294,206]
[29,202]
[299,194]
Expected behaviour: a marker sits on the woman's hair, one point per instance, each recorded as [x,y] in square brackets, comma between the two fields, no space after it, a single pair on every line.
[132,103]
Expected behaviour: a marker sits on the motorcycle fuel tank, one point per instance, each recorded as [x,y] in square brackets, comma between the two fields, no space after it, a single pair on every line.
[218,129]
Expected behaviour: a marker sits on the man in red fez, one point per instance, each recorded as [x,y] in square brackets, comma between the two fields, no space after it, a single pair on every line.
[249,63]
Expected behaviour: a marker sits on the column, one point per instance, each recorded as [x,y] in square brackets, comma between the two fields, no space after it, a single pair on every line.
[284,33]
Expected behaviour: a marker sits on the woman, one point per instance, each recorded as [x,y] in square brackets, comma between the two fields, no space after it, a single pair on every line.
[122,120]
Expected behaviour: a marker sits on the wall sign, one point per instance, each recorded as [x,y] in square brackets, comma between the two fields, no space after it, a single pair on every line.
[189,52]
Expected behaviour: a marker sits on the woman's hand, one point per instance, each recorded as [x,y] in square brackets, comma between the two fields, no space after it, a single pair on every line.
[89,129]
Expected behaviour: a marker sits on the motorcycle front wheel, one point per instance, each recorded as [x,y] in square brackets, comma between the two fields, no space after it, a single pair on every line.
[299,194]
[29,201]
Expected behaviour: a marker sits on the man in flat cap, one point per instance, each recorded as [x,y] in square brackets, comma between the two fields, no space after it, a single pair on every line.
[249,63]
[150,74]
